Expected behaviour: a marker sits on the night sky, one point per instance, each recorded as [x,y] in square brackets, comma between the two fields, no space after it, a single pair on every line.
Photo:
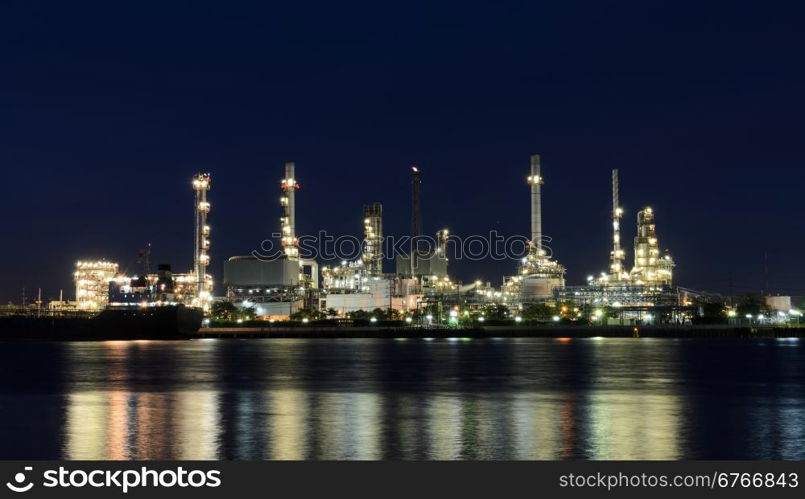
[108,108]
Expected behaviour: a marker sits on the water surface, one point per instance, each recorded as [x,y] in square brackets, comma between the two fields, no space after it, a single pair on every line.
[415,399]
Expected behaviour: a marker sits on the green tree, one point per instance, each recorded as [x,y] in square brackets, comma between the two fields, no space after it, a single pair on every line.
[752,304]
[311,315]
[496,311]
[710,308]
[224,311]
[359,315]
[539,311]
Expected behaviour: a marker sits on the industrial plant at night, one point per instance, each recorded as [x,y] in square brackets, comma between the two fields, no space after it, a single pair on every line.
[291,285]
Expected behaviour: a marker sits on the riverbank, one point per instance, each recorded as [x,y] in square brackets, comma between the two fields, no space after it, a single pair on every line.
[542,331]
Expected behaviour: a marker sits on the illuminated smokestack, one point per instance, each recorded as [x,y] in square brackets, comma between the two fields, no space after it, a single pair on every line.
[535,179]
[202,182]
[288,220]
[617,255]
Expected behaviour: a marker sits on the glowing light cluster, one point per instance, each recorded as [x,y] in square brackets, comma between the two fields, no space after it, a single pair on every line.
[92,283]
[202,296]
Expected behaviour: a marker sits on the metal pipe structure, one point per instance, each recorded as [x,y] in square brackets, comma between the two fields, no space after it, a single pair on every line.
[289,186]
[617,255]
[538,268]
[416,217]
[650,267]
[441,243]
[202,182]
[646,248]
[373,238]
[535,179]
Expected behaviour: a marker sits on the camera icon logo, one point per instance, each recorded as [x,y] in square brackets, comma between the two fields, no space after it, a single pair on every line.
[19,479]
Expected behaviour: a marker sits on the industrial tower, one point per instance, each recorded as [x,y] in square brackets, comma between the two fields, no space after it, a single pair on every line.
[649,267]
[290,243]
[617,256]
[202,182]
[539,274]
[373,238]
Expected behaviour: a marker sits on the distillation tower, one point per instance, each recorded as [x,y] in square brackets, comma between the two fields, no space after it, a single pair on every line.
[650,268]
[373,238]
[290,243]
[617,271]
[275,285]
[202,182]
[539,273]
[354,276]
[647,287]
[361,284]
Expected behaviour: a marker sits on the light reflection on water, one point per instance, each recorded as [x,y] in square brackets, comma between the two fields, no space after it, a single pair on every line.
[378,399]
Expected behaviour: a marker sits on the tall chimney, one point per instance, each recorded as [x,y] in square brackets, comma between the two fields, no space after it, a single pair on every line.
[201,184]
[616,263]
[536,203]
[416,215]
[288,221]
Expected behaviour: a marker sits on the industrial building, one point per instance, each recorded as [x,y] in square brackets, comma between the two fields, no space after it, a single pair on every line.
[425,262]
[92,279]
[280,286]
[421,275]
[644,292]
[361,284]
[100,283]
[539,273]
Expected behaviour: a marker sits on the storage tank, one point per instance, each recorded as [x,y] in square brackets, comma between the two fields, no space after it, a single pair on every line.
[249,271]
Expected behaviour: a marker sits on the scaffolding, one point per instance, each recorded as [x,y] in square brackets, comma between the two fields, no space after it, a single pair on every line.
[373,238]
[629,302]
[650,267]
[92,283]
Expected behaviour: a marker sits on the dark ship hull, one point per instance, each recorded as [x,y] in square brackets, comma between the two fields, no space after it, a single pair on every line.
[146,323]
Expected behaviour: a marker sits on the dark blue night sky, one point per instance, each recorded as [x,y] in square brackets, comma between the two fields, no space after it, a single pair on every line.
[108,108]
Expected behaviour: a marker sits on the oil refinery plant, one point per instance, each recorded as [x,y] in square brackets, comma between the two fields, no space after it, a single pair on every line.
[100,283]
[281,286]
[644,291]
[539,273]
